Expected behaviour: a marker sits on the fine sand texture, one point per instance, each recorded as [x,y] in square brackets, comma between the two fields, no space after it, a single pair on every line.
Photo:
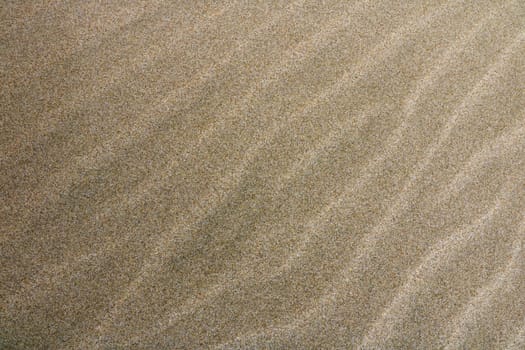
[252,174]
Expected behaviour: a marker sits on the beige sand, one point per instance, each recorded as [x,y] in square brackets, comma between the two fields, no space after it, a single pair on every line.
[262,174]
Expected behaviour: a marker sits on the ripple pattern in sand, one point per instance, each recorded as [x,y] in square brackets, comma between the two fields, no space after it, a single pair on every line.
[262,174]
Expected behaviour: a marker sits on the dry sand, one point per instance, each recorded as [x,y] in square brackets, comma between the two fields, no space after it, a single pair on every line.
[262,174]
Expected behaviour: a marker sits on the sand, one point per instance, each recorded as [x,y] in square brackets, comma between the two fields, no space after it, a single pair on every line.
[262,174]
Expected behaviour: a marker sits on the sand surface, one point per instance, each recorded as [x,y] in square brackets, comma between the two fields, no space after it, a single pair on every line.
[262,174]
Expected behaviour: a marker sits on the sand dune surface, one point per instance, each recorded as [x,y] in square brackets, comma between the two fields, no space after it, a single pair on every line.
[262,174]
